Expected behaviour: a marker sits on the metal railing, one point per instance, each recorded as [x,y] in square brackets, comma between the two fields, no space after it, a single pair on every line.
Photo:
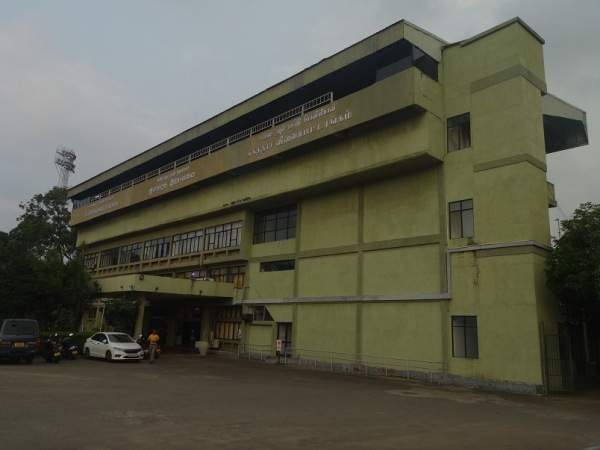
[297,111]
[357,364]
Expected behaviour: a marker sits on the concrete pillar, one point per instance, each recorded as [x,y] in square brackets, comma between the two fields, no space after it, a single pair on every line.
[205,324]
[139,321]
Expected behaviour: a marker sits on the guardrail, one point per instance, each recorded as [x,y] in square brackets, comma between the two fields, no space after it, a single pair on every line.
[358,364]
[297,111]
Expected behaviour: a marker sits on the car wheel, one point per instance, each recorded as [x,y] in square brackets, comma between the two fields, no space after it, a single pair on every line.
[86,353]
[108,356]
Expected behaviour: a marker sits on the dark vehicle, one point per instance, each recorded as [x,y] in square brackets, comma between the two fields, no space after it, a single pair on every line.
[69,348]
[52,349]
[19,339]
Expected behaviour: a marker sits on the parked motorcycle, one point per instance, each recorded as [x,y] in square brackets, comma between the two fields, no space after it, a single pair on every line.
[143,342]
[69,348]
[52,349]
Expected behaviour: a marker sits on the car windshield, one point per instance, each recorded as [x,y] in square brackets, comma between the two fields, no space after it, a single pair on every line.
[19,328]
[120,338]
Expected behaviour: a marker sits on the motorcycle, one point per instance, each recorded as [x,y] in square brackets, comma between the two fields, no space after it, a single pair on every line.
[69,348]
[52,349]
[143,342]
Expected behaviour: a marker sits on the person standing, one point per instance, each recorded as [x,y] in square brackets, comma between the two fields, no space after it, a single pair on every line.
[152,344]
[192,339]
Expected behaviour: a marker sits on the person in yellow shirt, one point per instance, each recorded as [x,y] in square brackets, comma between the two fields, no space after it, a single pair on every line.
[152,344]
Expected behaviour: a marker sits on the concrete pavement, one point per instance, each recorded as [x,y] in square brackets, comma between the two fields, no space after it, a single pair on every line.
[186,401]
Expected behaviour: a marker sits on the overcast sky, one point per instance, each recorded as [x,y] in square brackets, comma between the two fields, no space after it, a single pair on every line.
[112,78]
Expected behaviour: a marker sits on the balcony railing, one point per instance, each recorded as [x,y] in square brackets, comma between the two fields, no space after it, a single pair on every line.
[297,111]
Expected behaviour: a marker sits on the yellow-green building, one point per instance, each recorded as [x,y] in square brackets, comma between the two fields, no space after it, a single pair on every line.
[387,206]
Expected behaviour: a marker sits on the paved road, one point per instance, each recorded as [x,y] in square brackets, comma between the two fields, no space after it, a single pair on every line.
[192,402]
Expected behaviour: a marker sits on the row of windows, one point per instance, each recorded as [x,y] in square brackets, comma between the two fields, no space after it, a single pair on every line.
[216,237]
[273,225]
[269,226]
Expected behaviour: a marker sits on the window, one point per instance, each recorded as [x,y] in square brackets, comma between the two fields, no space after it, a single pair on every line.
[90,260]
[464,337]
[157,248]
[276,266]
[261,313]
[461,219]
[227,325]
[187,243]
[459,132]
[131,253]
[223,236]
[109,257]
[275,225]
[284,333]
[231,274]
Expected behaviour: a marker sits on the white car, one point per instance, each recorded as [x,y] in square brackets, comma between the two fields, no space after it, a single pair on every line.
[112,346]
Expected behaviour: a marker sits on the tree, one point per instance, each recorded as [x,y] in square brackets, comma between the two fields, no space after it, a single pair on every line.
[120,314]
[44,226]
[41,269]
[573,269]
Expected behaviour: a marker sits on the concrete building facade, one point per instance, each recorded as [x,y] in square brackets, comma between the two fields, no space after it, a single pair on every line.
[389,203]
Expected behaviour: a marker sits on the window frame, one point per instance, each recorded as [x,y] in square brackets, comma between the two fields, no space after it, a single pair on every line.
[90,260]
[228,323]
[129,252]
[465,337]
[461,215]
[157,248]
[224,235]
[458,133]
[109,257]
[278,266]
[260,313]
[277,224]
[228,274]
[187,243]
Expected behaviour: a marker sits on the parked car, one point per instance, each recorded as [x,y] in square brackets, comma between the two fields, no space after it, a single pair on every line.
[112,346]
[19,339]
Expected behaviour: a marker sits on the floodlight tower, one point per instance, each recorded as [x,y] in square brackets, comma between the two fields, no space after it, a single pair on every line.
[64,165]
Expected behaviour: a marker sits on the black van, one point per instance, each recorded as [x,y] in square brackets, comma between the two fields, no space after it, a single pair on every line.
[19,339]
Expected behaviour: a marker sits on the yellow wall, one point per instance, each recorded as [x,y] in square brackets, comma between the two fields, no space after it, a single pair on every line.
[372,197]
[407,330]
[408,270]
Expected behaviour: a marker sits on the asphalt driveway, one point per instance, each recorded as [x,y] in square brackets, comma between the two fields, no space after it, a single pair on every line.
[186,401]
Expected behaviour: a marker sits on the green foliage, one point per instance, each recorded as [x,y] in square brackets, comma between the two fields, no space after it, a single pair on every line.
[41,269]
[120,314]
[573,270]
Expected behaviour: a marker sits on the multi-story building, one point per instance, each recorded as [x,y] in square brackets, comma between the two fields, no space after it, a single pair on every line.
[389,202]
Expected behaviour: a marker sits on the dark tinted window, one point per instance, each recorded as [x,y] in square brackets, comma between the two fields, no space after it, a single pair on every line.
[20,328]
[99,337]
